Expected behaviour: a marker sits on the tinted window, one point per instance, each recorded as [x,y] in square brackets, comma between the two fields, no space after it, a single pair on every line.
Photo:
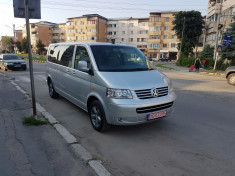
[11,57]
[119,58]
[66,55]
[81,55]
[61,55]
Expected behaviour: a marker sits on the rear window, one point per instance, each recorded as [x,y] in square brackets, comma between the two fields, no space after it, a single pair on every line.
[11,57]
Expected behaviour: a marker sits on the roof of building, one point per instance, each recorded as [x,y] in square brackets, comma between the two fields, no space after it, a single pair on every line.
[163,12]
[126,18]
[89,15]
[45,23]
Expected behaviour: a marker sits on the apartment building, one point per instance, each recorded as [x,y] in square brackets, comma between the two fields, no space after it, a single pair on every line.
[131,31]
[40,31]
[212,18]
[87,28]
[162,40]
[58,33]
[18,35]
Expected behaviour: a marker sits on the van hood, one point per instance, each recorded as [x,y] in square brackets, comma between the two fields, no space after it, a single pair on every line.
[135,80]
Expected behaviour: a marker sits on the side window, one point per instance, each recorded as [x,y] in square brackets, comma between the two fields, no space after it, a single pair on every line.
[81,55]
[66,55]
[53,54]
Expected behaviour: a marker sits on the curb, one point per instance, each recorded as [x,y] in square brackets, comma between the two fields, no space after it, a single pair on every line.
[76,148]
[212,74]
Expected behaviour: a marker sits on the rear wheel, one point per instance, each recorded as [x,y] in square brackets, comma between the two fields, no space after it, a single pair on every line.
[52,92]
[97,116]
[231,79]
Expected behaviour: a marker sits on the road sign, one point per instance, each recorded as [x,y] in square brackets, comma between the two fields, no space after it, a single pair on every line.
[34,9]
[227,40]
[219,48]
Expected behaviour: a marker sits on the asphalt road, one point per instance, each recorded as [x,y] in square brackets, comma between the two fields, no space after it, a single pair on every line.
[198,139]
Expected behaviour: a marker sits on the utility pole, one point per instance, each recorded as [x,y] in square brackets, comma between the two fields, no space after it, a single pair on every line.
[182,38]
[30,57]
[215,56]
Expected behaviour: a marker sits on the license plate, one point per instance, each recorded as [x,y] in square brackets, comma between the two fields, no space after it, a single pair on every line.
[17,65]
[156,115]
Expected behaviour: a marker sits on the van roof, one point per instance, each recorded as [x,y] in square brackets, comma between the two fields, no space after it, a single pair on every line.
[89,43]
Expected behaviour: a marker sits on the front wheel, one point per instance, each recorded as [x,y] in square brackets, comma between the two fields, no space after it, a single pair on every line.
[97,116]
[52,92]
[231,79]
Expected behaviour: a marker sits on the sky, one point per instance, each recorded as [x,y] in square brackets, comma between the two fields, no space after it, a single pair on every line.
[57,11]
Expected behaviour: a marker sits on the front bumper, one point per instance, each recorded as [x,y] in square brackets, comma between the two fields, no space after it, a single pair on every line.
[120,113]
[16,66]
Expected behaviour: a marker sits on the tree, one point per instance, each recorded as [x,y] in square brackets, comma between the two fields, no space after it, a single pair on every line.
[229,51]
[19,47]
[24,45]
[40,47]
[7,41]
[192,22]
[207,52]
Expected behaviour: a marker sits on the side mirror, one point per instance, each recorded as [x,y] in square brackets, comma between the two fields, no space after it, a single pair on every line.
[82,66]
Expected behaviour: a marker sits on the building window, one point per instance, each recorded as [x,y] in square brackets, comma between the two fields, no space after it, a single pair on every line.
[141,40]
[114,33]
[91,30]
[153,45]
[82,37]
[109,25]
[76,23]
[174,37]
[131,24]
[166,28]
[173,45]
[155,19]
[154,37]
[165,36]
[166,19]
[123,32]
[122,39]
[91,22]
[110,33]
[76,37]
[143,32]
[77,30]
[155,28]
[164,45]
[143,24]
[82,22]
[82,30]
[130,39]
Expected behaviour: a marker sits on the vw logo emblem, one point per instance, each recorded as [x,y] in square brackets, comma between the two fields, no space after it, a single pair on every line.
[154,92]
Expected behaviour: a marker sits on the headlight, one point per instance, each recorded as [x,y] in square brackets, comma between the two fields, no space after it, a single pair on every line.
[168,81]
[119,93]
[8,63]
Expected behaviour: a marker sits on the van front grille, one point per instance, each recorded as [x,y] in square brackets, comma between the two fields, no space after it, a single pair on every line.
[154,108]
[146,93]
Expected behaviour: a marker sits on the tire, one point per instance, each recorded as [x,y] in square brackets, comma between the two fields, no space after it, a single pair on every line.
[231,79]
[5,69]
[97,116]
[52,92]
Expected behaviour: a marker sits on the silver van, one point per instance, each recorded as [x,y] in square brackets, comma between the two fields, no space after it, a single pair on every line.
[114,83]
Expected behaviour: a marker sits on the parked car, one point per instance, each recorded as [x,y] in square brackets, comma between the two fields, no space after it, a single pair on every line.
[114,83]
[12,62]
[165,59]
[230,75]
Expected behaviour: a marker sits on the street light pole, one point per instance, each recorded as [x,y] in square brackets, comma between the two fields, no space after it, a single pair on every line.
[30,58]
[215,56]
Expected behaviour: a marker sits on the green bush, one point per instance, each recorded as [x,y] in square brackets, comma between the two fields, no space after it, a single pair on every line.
[221,65]
[185,61]
[208,64]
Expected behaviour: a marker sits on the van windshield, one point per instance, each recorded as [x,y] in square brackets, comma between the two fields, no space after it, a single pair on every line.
[119,58]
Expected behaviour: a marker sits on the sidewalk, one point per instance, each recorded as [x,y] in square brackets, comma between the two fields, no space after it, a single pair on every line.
[31,150]
[173,66]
